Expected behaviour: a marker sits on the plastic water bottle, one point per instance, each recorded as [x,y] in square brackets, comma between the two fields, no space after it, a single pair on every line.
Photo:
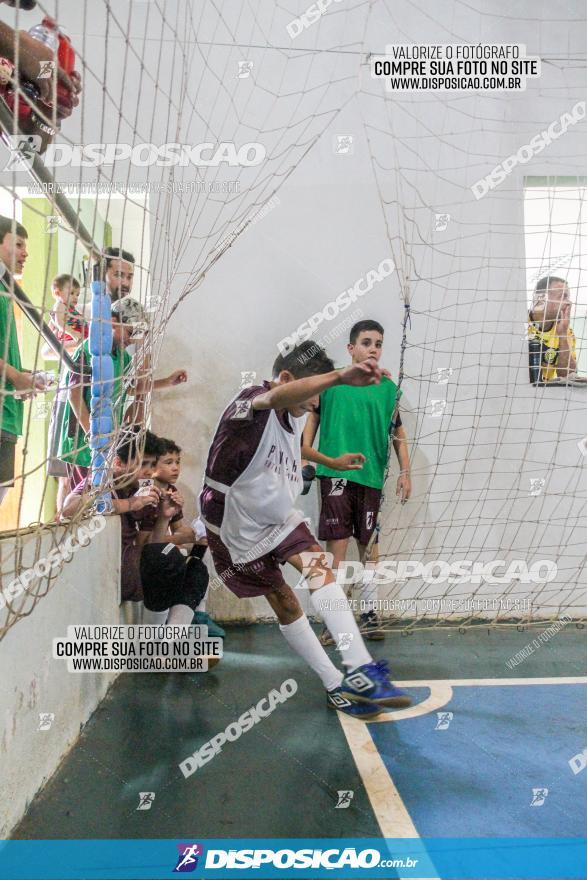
[46,33]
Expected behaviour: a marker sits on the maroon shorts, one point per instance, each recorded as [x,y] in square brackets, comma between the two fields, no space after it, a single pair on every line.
[262,575]
[348,510]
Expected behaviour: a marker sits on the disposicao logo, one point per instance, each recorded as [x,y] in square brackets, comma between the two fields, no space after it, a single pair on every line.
[187,860]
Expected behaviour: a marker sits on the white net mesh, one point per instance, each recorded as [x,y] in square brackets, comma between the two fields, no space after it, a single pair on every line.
[207,111]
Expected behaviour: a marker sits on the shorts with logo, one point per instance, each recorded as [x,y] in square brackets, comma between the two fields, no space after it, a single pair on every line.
[262,575]
[348,510]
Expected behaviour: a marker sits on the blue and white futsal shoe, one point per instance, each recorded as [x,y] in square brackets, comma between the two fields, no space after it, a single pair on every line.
[370,683]
[341,699]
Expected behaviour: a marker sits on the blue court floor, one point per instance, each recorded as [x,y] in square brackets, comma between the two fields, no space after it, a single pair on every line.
[492,761]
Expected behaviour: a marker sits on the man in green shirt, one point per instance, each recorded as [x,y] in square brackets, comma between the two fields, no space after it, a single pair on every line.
[74,448]
[14,380]
[351,483]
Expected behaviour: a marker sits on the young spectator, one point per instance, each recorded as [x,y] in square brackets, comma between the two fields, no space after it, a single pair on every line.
[68,324]
[166,475]
[74,448]
[13,379]
[152,570]
[71,328]
[129,466]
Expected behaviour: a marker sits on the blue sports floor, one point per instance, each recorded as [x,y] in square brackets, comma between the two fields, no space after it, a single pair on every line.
[498,767]
[512,731]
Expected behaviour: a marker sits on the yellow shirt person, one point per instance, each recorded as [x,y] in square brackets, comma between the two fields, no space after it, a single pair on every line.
[550,342]
[549,324]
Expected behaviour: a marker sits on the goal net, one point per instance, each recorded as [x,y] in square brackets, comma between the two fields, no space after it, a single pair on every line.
[193,121]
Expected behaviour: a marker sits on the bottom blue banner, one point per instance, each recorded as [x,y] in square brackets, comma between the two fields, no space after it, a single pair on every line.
[478,858]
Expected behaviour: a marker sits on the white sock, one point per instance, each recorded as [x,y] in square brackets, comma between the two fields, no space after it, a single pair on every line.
[180,614]
[369,592]
[303,640]
[4,490]
[202,606]
[331,602]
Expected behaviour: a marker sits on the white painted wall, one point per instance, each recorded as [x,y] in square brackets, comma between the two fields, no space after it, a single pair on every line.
[85,592]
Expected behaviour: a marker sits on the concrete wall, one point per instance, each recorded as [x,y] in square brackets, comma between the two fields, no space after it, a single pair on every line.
[85,592]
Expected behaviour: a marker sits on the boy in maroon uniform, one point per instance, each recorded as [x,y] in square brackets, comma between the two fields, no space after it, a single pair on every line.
[253,477]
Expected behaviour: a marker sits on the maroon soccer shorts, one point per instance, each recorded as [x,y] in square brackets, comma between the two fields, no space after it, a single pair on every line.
[348,510]
[262,575]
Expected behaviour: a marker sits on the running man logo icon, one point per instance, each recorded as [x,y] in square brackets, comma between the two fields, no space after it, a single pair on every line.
[344,641]
[444,719]
[344,800]
[46,719]
[244,69]
[343,145]
[46,71]
[248,378]
[153,302]
[243,409]
[437,408]
[441,222]
[189,854]
[337,486]
[315,565]
[444,374]
[42,410]
[146,799]
[539,795]
[23,149]
[52,224]
[536,486]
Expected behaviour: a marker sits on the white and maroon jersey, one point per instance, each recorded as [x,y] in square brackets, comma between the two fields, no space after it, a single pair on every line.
[253,477]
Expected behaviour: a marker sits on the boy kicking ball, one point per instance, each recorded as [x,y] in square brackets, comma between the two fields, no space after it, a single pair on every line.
[253,477]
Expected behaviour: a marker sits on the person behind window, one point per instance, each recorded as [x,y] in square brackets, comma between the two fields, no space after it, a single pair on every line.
[550,328]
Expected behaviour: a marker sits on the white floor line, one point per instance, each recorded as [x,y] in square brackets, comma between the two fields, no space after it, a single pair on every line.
[441,692]
[488,682]
[390,811]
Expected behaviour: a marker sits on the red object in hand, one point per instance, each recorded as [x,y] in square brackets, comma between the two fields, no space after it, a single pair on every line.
[29,121]
[52,36]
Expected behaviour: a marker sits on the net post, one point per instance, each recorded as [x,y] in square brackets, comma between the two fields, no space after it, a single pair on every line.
[101,418]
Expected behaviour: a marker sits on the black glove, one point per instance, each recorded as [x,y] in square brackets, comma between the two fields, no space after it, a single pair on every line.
[308,474]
